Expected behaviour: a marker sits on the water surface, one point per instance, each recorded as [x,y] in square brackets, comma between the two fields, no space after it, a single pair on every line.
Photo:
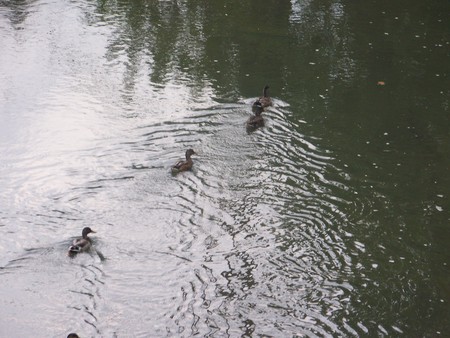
[332,220]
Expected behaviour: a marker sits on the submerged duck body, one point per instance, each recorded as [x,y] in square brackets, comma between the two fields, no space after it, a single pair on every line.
[264,100]
[184,165]
[81,244]
[256,120]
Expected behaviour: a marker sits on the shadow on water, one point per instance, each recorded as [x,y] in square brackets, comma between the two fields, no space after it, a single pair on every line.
[18,11]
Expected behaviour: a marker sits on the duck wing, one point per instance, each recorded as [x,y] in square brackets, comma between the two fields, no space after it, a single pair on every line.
[81,244]
[265,101]
[182,166]
[178,165]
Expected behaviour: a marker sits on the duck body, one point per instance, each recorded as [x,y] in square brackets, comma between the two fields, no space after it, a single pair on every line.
[256,120]
[184,165]
[81,244]
[264,100]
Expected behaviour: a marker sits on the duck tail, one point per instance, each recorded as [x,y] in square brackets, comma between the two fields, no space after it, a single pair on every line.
[73,249]
[266,87]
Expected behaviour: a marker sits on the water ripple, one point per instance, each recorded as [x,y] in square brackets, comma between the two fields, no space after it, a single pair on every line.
[254,238]
[281,198]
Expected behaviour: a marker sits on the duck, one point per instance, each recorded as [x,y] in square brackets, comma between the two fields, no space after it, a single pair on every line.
[264,100]
[255,121]
[81,244]
[184,165]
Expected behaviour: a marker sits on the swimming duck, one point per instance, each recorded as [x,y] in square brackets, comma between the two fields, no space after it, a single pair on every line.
[256,120]
[81,244]
[264,100]
[184,165]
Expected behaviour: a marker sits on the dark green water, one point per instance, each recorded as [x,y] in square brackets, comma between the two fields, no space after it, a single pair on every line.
[332,220]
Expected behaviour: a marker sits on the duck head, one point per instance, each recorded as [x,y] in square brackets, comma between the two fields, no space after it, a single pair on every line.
[189,153]
[86,231]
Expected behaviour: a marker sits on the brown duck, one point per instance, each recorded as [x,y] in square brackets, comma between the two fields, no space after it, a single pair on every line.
[81,244]
[184,165]
[256,120]
[264,100]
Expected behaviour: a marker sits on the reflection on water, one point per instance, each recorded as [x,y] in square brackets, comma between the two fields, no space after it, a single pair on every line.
[328,221]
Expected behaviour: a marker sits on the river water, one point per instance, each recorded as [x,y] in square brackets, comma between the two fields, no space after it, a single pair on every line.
[332,220]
